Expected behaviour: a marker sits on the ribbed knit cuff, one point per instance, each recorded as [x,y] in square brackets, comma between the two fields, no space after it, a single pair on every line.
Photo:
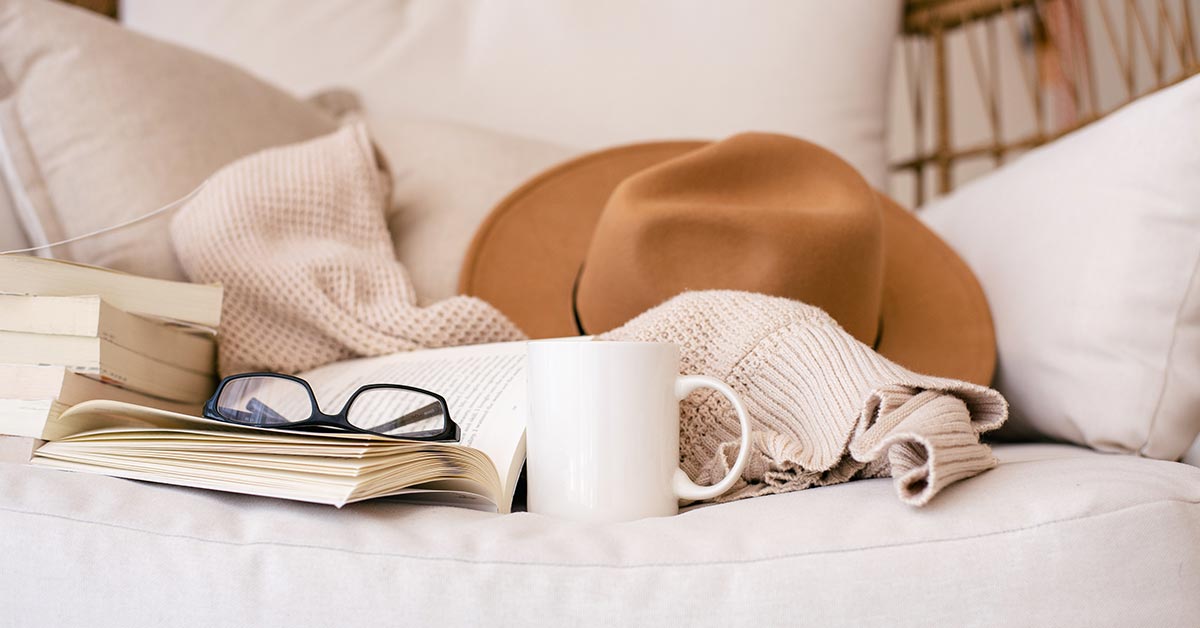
[927,437]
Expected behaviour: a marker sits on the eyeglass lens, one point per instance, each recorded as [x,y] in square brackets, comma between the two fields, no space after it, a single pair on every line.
[267,401]
[264,401]
[397,412]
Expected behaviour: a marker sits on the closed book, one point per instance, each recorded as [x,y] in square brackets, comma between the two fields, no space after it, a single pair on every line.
[196,304]
[109,362]
[31,396]
[75,325]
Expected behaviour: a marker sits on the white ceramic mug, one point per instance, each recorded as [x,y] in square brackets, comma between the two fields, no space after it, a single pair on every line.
[603,432]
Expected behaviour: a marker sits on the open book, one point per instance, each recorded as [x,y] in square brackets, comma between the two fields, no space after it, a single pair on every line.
[484,386]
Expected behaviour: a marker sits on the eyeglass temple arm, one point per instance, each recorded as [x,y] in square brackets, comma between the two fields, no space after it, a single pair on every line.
[420,414]
[257,410]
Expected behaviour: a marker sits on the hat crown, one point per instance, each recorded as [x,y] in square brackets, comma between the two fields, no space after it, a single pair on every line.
[757,212]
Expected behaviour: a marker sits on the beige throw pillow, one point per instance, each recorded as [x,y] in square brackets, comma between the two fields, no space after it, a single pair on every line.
[100,125]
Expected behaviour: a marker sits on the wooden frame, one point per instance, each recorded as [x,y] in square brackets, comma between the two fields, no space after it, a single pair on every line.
[1151,44]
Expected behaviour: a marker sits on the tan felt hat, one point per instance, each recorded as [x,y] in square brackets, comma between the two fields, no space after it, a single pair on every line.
[592,243]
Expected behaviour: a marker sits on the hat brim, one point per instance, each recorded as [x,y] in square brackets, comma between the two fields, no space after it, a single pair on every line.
[525,258]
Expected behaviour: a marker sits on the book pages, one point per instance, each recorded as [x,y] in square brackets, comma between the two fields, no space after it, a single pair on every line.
[484,388]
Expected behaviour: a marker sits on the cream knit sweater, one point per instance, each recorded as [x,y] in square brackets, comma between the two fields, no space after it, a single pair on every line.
[824,407]
[297,236]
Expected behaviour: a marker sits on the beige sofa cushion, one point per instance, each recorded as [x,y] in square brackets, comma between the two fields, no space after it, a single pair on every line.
[447,177]
[1055,535]
[585,74]
[101,125]
[12,234]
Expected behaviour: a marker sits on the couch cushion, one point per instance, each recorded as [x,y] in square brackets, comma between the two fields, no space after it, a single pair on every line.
[99,125]
[585,74]
[448,177]
[12,234]
[1058,533]
[1088,249]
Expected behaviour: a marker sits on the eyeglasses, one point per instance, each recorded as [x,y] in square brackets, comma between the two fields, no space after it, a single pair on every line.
[283,401]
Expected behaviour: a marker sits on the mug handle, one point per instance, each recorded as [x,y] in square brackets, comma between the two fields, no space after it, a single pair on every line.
[683,486]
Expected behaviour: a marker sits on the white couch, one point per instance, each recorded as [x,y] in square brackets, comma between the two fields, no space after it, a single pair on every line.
[1056,535]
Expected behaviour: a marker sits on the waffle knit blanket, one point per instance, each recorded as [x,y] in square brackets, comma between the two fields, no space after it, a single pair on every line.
[297,236]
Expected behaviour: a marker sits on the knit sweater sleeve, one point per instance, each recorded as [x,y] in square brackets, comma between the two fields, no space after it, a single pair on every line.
[824,407]
[298,237]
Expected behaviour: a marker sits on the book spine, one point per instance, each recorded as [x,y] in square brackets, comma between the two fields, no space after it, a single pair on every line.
[174,345]
[155,378]
[64,324]
[192,303]
[108,362]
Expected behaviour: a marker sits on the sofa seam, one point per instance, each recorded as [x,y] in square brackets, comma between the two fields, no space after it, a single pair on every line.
[38,219]
[23,207]
[518,563]
[1170,360]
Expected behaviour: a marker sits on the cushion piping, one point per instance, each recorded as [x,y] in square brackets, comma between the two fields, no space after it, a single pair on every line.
[22,205]
[1188,297]
[708,563]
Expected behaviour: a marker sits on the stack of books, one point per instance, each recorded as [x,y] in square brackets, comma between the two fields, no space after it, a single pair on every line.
[71,333]
[107,373]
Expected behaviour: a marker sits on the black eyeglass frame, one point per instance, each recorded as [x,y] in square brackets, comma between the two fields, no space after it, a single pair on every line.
[450,431]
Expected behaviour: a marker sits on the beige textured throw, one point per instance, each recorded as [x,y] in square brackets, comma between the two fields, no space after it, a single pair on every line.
[824,407]
[298,237]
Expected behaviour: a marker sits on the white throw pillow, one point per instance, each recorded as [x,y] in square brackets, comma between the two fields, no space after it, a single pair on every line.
[1088,250]
[584,74]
